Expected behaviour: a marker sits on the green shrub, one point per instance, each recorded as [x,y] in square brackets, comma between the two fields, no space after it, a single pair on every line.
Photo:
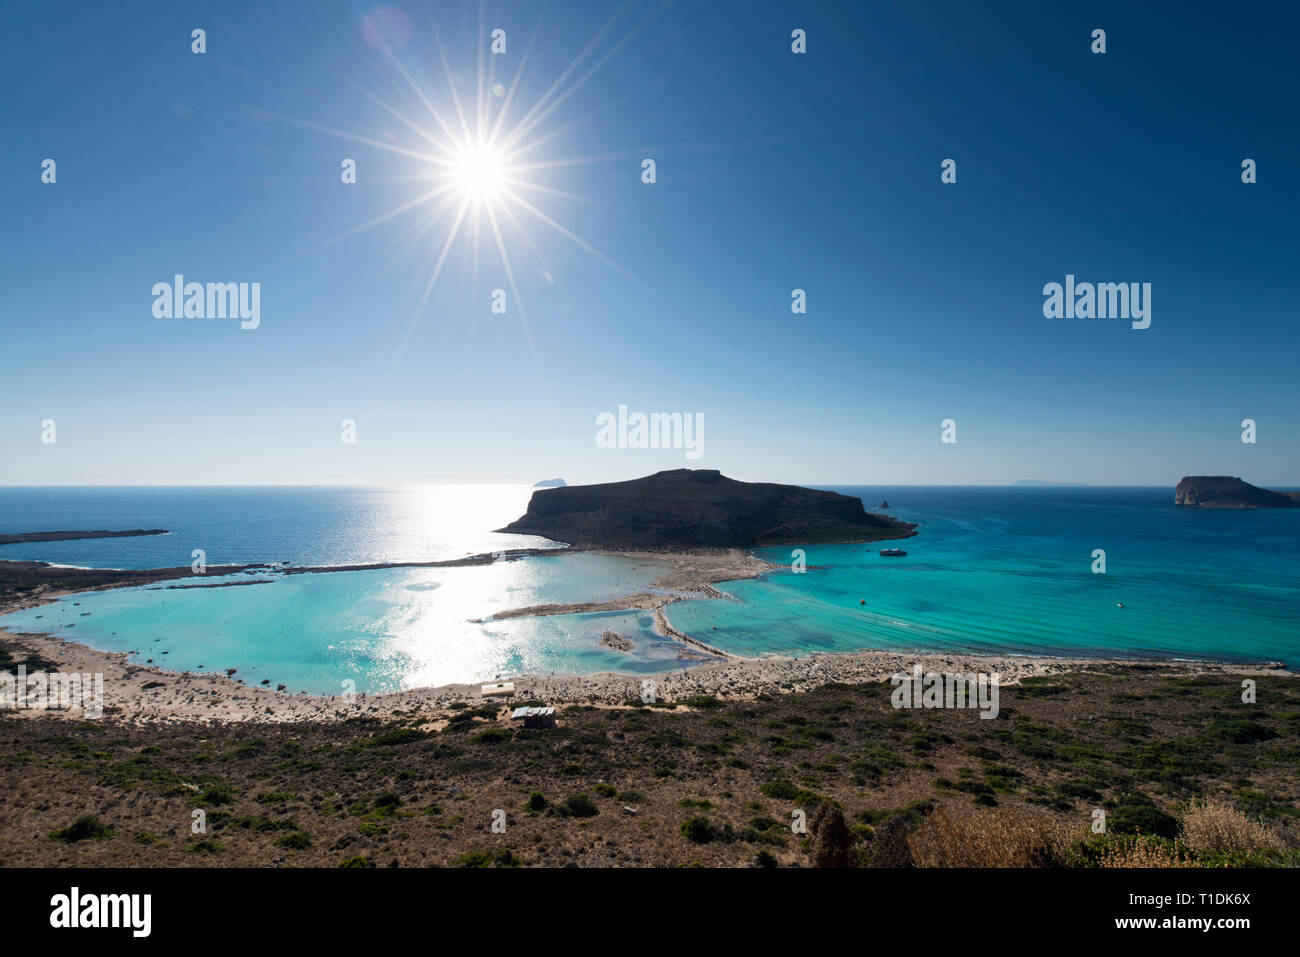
[1239,730]
[579,805]
[85,828]
[1140,816]
[781,790]
[702,701]
[699,830]
[297,841]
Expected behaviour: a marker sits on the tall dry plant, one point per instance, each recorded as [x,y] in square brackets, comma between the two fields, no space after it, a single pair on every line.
[1213,825]
[1006,837]
[1145,851]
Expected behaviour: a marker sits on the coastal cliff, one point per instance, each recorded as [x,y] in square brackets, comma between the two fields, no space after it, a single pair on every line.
[700,507]
[1227,491]
[23,537]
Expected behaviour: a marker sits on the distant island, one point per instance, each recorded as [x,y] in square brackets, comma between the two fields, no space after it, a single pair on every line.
[1041,482]
[701,507]
[1227,491]
[70,536]
[551,483]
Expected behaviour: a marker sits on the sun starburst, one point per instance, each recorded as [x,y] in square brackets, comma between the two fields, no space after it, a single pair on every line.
[482,174]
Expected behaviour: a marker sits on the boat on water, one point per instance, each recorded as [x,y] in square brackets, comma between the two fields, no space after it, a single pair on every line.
[892,552]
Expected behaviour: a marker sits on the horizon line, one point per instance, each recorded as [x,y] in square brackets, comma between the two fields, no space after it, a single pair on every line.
[397,485]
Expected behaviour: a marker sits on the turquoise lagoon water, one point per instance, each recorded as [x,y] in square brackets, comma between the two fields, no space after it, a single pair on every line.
[385,629]
[992,570]
[1010,570]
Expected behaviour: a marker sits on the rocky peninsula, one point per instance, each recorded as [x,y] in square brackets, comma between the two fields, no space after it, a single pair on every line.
[23,537]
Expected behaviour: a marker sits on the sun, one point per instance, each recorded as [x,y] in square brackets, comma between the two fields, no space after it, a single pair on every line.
[484,160]
[479,173]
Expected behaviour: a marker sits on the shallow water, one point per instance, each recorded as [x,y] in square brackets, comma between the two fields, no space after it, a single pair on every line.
[384,629]
[992,570]
[1010,570]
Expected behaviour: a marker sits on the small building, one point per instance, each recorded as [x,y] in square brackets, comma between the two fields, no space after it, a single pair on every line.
[505,688]
[535,717]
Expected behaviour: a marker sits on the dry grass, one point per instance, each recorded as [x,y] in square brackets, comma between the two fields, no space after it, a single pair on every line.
[1009,837]
[1143,851]
[1213,825]
[752,761]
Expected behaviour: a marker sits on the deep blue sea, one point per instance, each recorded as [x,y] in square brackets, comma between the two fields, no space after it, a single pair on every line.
[992,569]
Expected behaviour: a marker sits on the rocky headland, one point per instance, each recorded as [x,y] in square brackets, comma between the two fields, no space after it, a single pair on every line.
[701,508]
[1227,491]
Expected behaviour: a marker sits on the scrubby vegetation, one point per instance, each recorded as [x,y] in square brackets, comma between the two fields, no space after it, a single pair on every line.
[1182,771]
[85,828]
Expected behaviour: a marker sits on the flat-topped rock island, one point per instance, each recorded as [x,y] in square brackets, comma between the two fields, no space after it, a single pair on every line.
[692,508]
[1227,491]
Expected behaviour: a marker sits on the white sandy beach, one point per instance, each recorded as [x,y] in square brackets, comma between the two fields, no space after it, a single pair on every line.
[207,698]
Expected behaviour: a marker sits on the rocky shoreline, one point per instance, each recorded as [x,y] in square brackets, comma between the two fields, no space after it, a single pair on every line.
[145,696]
[612,639]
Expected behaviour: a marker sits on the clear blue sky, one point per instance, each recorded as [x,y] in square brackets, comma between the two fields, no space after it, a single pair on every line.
[775,171]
